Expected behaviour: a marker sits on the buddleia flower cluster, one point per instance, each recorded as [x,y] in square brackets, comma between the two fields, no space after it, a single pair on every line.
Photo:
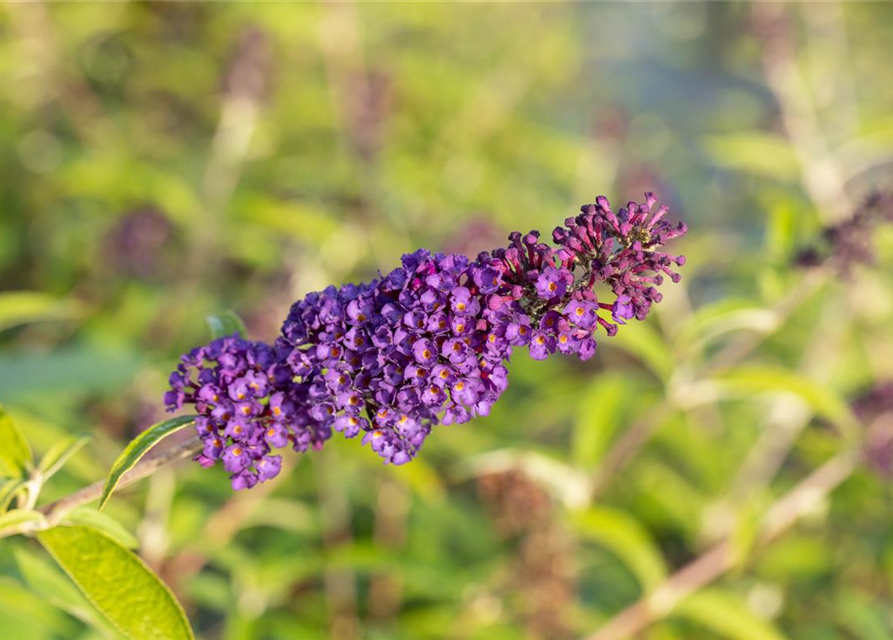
[426,344]
[846,244]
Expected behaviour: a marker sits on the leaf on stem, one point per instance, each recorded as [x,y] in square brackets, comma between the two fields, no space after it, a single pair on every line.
[226,323]
[88,517]
[53,586]
[137,448]
[13,522]
[118,583]
[58,454]
[8,491]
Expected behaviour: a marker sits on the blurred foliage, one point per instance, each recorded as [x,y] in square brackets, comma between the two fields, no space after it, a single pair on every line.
[162,162]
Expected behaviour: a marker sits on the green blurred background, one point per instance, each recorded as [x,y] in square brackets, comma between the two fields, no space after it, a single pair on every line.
[163,161]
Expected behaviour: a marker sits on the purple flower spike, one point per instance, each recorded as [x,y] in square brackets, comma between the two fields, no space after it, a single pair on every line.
[427,343]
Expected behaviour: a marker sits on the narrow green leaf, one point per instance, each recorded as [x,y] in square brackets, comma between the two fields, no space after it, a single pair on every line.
[15,454]
[606,405]
[724,614]
[58,454]
[755,152]
[724,316]
[25,616]
[627,539]
[48,582]
[137,448]
[226,323]
[747,380]
[643,342]
[21,307]
[8,491]
[11,522]
[88,517]
[118,583]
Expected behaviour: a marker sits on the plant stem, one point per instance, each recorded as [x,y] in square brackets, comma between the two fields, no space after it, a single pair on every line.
[145,467]
[723,556]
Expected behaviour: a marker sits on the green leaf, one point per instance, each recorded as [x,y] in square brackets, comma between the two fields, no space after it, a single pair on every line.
[48,582]
[726,615]
[755,152]
[627,539]
[747,380]
[58,454]
[724,316]
[25,616]
[8,491]
[606,405]
[137,448]
[15,454]
[11,522]
[21,307]
[88,517]
[226,323]
[118,583]
[643,342]
[69,372]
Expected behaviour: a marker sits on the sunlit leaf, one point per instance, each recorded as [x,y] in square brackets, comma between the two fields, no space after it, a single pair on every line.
[118,583]
[100,521]
[56,457]
[754,152]
[8,492]
[15,454]
[137,448]
[17,519]
[21,307]
[47,581]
